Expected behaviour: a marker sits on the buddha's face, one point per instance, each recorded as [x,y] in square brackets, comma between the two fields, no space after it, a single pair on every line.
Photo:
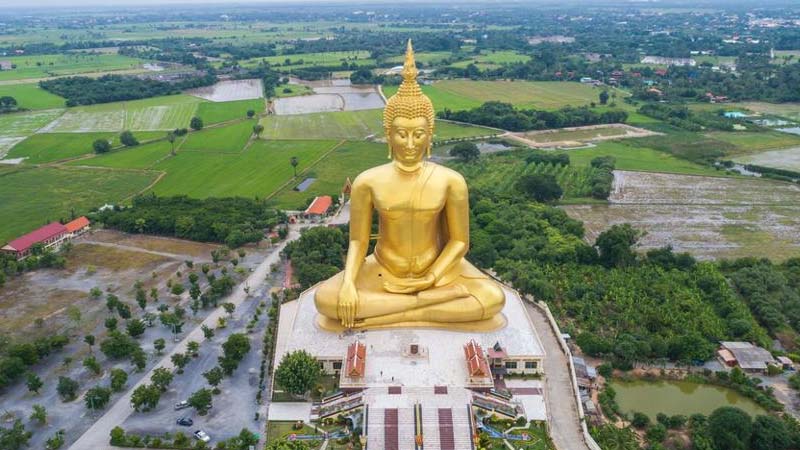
[409,139]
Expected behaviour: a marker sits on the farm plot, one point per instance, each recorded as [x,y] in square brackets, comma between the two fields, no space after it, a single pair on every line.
[48,147]
[227,139]
[258,171]
[750,142]
[334,125]
[788,158]
[139,157]
[26,123]
[23,207]
[40,66]
[329,99]
[630,156]
[574,136]
[708,217]
[216,112]
[230,90]
[158,113]
[360,57]
[31,96]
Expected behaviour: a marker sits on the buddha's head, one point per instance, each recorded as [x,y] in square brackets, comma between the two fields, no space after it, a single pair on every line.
[408,118]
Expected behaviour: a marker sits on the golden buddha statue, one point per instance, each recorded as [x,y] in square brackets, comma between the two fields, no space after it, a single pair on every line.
[417,275]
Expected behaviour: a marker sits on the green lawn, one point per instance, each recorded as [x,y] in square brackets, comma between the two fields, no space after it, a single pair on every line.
[31,96]
[226,139]
[348,160]
[40,66]
[631,157]
[139,157]
[256,172]
[332,125]
[31,197]
[466,94]
[215,112]
[48,147]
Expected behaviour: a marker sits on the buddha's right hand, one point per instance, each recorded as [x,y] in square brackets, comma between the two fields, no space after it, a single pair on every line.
[348,304]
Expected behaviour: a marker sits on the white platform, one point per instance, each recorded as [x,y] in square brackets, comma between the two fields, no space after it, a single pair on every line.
[385,364]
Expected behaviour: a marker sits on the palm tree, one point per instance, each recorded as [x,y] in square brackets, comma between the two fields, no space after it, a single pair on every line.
[294,162]
[171,139]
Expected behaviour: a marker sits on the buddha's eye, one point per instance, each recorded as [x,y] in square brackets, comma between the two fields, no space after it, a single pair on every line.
[419,134]
[402,134]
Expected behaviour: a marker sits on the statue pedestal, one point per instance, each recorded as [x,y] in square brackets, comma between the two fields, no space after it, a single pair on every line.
[388,358]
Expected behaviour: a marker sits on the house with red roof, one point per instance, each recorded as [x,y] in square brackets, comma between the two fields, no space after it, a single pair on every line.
[77,227]
[319,207]
[50,235]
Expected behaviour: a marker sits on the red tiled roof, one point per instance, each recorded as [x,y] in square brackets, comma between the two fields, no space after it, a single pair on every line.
[320,205]
[476,362]
[356,360]
[77,224]
[48,231]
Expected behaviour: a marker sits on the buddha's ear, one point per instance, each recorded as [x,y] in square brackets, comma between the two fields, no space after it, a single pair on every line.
[390,148]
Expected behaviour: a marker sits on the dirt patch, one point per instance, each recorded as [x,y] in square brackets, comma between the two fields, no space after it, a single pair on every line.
[577,136]
[196,250]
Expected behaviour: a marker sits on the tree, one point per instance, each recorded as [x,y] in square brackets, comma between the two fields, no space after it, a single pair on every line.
[97,397]
[67,388]
[145,397]
[135,328]
[74,314]
[603,97]
[196,123]
[118,345]
[95,293]
[616,244]
[56,441]
[128,139]
[214,378]
[258,129]
[14,438]
[177,289]
[179,360]
[192,348]
[159,345]
[194,291]
[465,151]
[730,428]
[111,323]
[141,298]
[201,401]
[294,162]
[162,377]
[229,308]
[640,420]
[119,378]
[90,362]
[33,382]
[139,359]
[171,139]
[540,187]
[101,146]
[250,113]
[7,102]
[770,433]
[298,372]
[39,414]
[234,349]
[208,333]
[89,340]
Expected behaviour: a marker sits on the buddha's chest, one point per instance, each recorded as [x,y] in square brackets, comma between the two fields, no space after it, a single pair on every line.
[410,198]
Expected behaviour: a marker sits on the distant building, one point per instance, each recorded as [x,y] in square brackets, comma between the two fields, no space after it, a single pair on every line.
[745,355]
[557,39]
[6,65]
[501,363]
[669,61]
[49,236]
[735,115]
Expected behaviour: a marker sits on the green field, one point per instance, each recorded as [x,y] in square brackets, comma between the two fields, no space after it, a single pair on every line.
[426,58]
[488,60]
[26,123]
[31,96]
[292,90]
[256,172]
[48,147]
[227,139]
[139,157]
[448,130]
[31,197]
[631,157]
[333,125]
[359,57]
[157,113]
[466,94]
[348,160]
[41,66]
[215,112]
[753,141]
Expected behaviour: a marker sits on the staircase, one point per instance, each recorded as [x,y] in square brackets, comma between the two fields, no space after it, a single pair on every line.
[430,429]
[390,429]
[375,431]
[462,433]
[447,440]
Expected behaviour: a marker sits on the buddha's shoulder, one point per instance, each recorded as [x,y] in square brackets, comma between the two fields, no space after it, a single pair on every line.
[448,174]
[372,174]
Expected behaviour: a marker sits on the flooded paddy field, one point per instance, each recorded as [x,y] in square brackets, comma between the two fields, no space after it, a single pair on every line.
[230,90]
[788,158]
[329,96]
[709,217]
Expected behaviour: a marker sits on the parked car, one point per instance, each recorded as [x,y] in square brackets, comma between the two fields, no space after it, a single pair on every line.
[185,421]
[181,405]
[201,435]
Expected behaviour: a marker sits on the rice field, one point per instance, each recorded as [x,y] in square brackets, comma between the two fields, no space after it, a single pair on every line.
[215,112]
[48,147]
[139,157]
[707,216]
[754,141]
[31,96]
[360,57]
[41,66]
[788,158]
[157,113]
[230,90]
[227,139]
[629,156]
[24,208]
[27,122]
[255,172]
[335,125]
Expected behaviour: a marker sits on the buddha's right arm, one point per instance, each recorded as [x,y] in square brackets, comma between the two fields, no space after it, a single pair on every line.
[360,228]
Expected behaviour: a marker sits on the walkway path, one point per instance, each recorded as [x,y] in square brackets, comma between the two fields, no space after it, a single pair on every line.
[98,435]
[562,411]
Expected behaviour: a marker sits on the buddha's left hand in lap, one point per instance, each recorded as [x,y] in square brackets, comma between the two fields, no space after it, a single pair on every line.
[410,285]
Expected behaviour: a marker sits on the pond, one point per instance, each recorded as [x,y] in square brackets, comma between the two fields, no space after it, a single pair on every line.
[679,397]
